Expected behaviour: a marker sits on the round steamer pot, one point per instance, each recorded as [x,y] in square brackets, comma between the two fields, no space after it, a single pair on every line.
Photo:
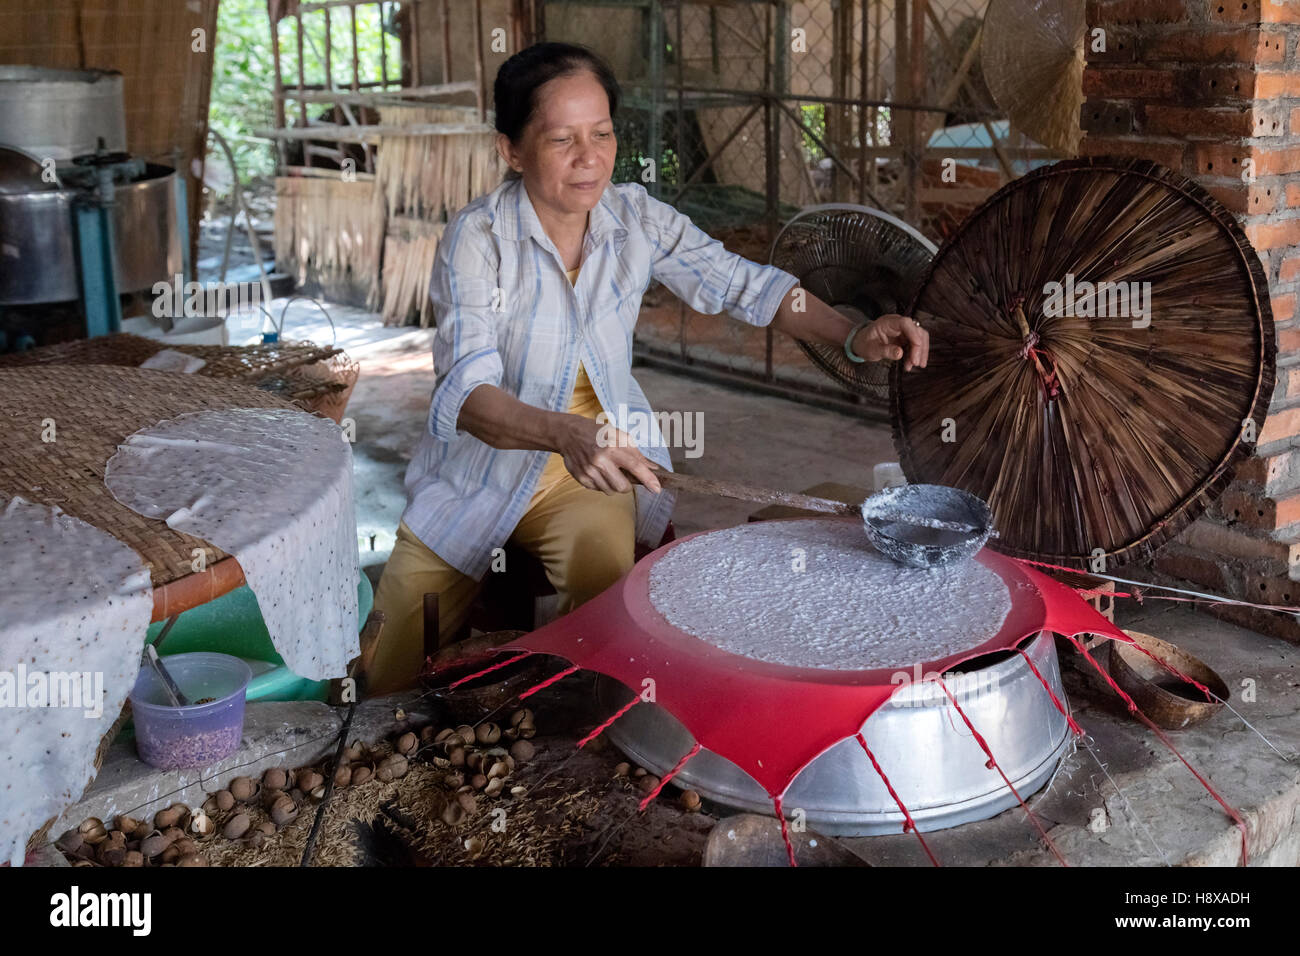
[927,751]
[169,737]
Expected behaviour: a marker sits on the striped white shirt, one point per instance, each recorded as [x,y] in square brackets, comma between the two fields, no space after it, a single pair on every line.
[507,316]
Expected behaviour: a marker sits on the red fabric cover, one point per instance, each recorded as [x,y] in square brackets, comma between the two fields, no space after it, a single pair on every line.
[769,719]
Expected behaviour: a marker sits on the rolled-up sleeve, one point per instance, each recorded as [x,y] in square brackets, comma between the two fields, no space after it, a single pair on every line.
[463,288]
[702,273]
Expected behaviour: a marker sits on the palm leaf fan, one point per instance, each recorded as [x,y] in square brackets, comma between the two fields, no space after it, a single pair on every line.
[862,261]
[1032,57]
[1089,432]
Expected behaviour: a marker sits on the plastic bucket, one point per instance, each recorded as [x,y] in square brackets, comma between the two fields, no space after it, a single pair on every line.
[170,737]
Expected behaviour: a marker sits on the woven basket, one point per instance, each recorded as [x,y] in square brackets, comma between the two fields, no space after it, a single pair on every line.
[322,388]
[92,409]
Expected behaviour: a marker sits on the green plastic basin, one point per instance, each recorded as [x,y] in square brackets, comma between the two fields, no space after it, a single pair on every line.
[232,624]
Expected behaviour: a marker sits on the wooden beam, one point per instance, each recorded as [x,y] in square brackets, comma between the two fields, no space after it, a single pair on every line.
[366,134]
[369,99]
[480,90]
[356,56]
[278,87]
[321,172]
[446,42]
[313,7]
[959,152]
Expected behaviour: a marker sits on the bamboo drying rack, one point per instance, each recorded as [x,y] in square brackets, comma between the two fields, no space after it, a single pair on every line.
[93,409]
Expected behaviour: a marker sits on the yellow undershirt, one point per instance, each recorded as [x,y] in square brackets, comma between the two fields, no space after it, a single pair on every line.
[585,403]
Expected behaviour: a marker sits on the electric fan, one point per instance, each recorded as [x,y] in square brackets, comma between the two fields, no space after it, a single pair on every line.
[861,261]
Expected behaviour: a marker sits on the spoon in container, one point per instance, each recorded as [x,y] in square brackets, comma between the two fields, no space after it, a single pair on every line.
[173,691]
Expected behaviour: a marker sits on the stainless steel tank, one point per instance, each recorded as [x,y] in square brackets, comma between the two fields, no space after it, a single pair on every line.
[38,257]
[59,114]
[926,749]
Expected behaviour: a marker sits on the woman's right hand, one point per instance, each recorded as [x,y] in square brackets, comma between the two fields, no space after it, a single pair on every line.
[597,455]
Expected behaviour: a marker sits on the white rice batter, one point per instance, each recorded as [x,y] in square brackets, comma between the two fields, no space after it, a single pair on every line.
[73,600]
[273,487]
[848,609]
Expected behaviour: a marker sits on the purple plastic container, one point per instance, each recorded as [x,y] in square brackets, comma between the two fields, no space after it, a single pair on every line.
[170,737]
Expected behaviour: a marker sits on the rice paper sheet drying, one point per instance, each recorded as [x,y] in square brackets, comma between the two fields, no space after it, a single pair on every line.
[814,593]
[273,487]
[75,605]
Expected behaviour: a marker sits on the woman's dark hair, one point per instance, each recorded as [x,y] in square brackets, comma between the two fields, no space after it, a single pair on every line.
[514,94]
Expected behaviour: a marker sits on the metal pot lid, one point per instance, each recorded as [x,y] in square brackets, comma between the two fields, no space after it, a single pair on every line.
[21,173]
[1089,434]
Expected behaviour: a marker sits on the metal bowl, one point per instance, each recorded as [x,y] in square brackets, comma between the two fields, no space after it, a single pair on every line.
[922,744]
[919,546]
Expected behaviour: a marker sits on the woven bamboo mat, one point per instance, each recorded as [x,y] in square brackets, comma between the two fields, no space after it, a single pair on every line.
[92,409]
[247,362]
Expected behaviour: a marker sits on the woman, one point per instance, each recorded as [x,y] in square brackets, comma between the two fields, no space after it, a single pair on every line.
[536,288]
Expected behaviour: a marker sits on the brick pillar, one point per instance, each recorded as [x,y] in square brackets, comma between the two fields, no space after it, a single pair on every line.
[1202,87]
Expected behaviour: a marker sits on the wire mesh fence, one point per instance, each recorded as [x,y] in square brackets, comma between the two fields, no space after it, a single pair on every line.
[741,114]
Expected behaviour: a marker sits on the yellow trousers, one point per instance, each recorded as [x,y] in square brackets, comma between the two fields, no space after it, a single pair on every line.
[585,539]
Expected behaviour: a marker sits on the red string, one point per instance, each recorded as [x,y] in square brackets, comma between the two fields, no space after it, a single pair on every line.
[909,823]
[1042,360]
[550,680]
[1176,672]
[668,776]
[606,725]
[488,670]
[785,830]
[1141,596]
[993,765]
[1078,731]
[1133,708]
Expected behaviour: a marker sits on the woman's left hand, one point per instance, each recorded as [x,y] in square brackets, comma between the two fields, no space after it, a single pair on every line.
[894,337]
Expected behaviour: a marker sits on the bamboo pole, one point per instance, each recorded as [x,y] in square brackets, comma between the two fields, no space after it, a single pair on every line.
[356,57]
[372,99]
[900,121]
[302,76]
[863,111]
[916,127]
[478,61]
[415,44]
[366,134]
[329,51]
[383,48]
[446,41]
[278,85]
[876,81]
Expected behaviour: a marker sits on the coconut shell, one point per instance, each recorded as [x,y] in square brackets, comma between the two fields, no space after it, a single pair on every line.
[236,826]
[523,750]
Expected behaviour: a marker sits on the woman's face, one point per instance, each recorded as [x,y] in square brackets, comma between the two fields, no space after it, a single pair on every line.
[566,153]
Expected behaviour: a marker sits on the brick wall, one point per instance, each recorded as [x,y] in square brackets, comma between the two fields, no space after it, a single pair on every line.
[1208,89]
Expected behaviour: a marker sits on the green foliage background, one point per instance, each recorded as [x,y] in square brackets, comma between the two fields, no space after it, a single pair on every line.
[243,69]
